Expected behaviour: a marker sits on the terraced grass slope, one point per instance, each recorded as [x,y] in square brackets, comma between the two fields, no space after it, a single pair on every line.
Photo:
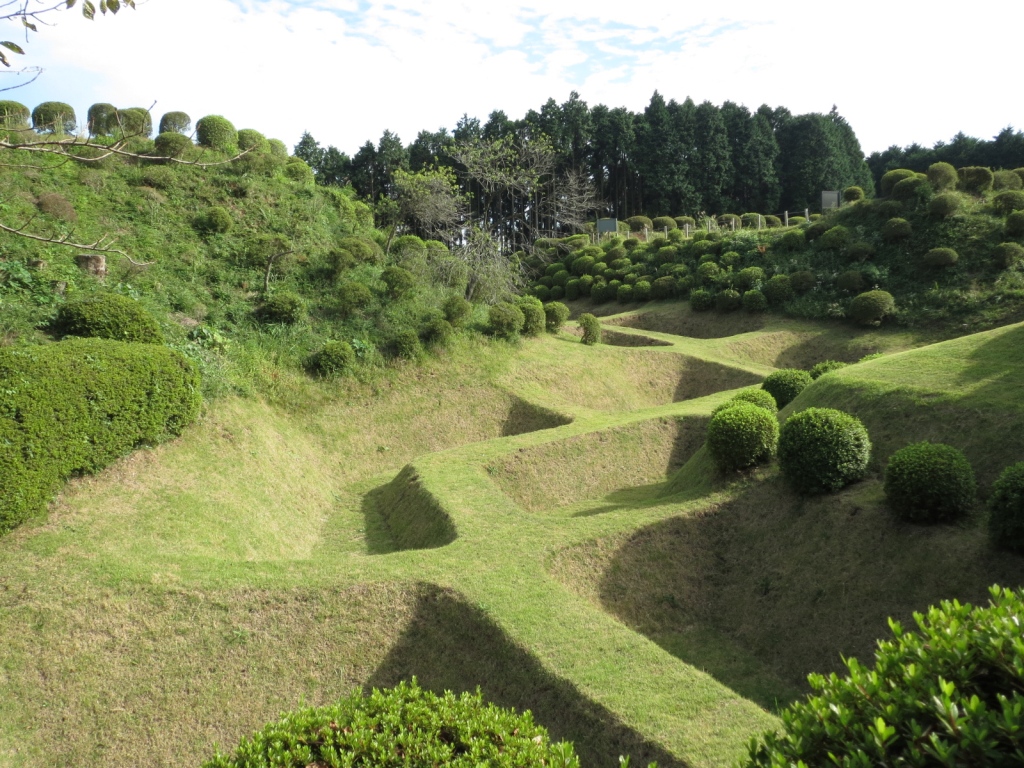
[539,522]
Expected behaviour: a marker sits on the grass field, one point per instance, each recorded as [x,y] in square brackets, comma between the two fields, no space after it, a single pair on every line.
[539,521]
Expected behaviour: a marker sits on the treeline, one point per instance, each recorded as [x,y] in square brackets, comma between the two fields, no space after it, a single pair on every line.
[1004,151]
[674,158]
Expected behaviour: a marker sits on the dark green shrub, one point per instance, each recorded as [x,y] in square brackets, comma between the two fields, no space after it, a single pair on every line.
[816,230]
[701,300]
[333,359]
[283,307]
[1006,504]
[684,221]
[709,272]
[639,223]
[1006,180]
[75,406]
[534,318]
[860,251]
[778,290]
[663,288]
[728,220]
[555,315]
[887,209]
[576,242]
[871,307]
[853,194]
[591,328]
[13,115]
[975,180]
[553,269]
[505,320]
[891,178]
[54,117]
[792,240]
[1009,201]
[296,169]
[741,436]
[216,221]
[834,238]
[556,293]
[600,291]
[772,222]
[957,679]
[400,282]
[1008,254]
[822,450]
[785,384]
[663,222]
[620,265]
[582,265]
[586,284]
[731,259]
[1020,173]
[624,294]
[363,250]
[896,229]
[929,483]
[803,281]
[1015,224]
[560,279]
[403,344]
[436,332]
[217,133]
[456,309]
[352,297]
[175,122]
[754,301]
[944,205]
[572,290]
[642,291]
[102,119]
[851,281]
[913,190]
[172,144]
[542,292]
[403,727]
[728,300]
[757,397]
[938,258]
[108,316]
[252,141]
[133,122]
[942,177]
[825,366]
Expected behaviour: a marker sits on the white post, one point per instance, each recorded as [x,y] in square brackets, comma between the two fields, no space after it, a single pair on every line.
[785,219]
[807,213]
[733,223]
[687,231]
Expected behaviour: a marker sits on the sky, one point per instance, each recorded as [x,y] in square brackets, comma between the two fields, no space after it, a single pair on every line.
[346,70]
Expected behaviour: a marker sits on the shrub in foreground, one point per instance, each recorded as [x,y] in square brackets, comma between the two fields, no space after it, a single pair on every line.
[405,727]
[555,315]
[108,316]
[778,290]
[784,385]
[77,405]
[505,320]
[871,307]
[754,302]
[701,300]
[175,122]
[1009,201]
[741,436]
[334,359]
[942,176]
[1015,224]
[929,483]
[456,309]
[54,117]
[949,694]
[216,132]
[534,319]
[1006,505]
[1008,254]
[284,307]
[821,450]
[757,397]
[591,329]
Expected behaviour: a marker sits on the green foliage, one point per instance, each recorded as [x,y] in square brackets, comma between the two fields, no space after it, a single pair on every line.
[555,315]
[939,258]
[175,122]
[975,179]
[505,320]
[891,178]
[860,251]
[591,328]
[54,117]
[78,405]
[701,300]
[398,728]
[685,221]
[896,229]
[298,170]
[642,290]
[871,307]
[728,300]
[217,133]
[133,122]
[624,294]
[216,221]
[1009,201]
[834,238]
[1015,224]
[171,144]
[663,287]
[283,307]
[778,290]
[817,229]
[757,397]
[942,177]
[102,119]
[728,220]
[437,332]
[742,435]
[534,319]
[403,344]
[13,115]
[456,309]
[929,483]
[825,366]
[333,359]
[542,292]
[400,282]
[944,205]
[638,223]
[785,384]
[278,148]
[560,278]
[853,194]
[108,316]
[709,272]
[821,450]
[1008,254]
[1006,506]
[664,222]
[851,281]
[912,190]
[363,250]
[792,240]
[352,297]
[949,694]
[252,141]
[803,281]
[582,265]
[1006,180]
[772,222]
[754,301]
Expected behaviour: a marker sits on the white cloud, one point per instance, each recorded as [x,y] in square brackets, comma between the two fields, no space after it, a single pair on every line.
[347,70]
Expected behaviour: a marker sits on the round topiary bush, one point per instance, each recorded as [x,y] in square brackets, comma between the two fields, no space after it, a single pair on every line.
[754,301]
[685,221]
[792,240]
[773,222]
[54,117]
[741,436]
[534,319]
[401,727]
[403,344]
[1008,254]
[217,133]
[216,221]
[1015,224]
[701,300]
[958,679]
[133,122]
[664,222]
[942,176]
[853,194]
[728,300]
[663,287]
[13,115]
[750,277]
[352,297]
[817,229]
[333,359]
[456,309]
[929,483]
[108,316]
[435,331]
[944,205]
[709,272]
[591,328]
[624,294]
[505,320]
[822,450]
[851,281]
[542,292]
[728,221]
[757,397]
[642,290]
[362,249]
[940,258]
[834,239]
[278,148]
[285,307]
[1006,506]
[172,144]
[803,281]
[557,293]
[860,251]
[912,190]
[1006,180]
[825,366]
[298,170]
[890,179]
[785,384]
[399,281]
[252,141]
[975,179]
[639,223]
[871,307]
[1009,201]
[101,119]
[778,290]
[555,315]
[175,122]
[896,229]
[572,290]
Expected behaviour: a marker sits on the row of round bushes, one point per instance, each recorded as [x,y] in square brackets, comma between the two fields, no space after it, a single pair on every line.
[527,316]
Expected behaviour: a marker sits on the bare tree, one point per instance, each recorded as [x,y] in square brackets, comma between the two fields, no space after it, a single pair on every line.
[429,202]
[572,200]
[491,276]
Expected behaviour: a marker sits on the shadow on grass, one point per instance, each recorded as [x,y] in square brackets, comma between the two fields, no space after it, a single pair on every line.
[619,339]
[402,514]
[524,417]
[451,645]
[702,378]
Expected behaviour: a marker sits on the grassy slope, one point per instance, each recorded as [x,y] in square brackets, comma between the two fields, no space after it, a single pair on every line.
[187,594]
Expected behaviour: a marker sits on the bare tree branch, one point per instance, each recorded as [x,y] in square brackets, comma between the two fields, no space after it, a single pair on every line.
[103,245]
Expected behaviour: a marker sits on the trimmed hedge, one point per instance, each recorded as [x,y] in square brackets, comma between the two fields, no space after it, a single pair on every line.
[101,119]
[1008,254]
[1009,201]
[942,176]
[591,328]
[402,727]
[505,320]
[1015,224]
[728,300]
[853,194]
[108,316]
[217,132]
[701,300]
[456,309]
[871,307]
[938,258]
[803,281]
[785,384]
[54,117]
[741,436]
[78,405]
[851,281]
[252,141]
[975,179]
[399,281]
[664,222]
[822,450]
[1006,180]
[778,290]
[534,319]
[333,359]
[757,397]
[13,115]
[638,223]
[949,694]
[1006,505]
[133,122]
[171,144]
[944,205]
[825,366]
[555,315]
[754,301]
[891,178]
[929,483]
[175,122]
[284,307]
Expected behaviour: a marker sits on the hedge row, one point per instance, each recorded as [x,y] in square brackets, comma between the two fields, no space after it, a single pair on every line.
[77,405]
